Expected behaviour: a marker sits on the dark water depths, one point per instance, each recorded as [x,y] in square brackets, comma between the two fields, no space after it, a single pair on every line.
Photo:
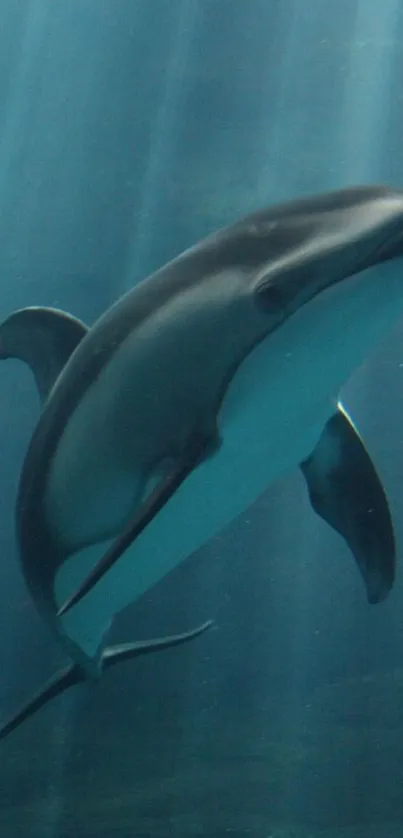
[128,130]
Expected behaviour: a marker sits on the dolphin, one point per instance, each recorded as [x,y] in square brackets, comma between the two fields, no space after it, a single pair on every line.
[196,390]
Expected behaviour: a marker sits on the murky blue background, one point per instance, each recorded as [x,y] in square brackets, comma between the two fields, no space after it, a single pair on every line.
[128,130]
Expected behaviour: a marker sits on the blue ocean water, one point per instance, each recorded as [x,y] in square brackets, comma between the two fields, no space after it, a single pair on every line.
[128,131]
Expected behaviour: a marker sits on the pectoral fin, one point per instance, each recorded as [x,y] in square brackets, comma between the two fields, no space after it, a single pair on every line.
[196,449]
[345,491]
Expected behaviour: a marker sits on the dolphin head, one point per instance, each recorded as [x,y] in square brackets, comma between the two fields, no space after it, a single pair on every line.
[306,247]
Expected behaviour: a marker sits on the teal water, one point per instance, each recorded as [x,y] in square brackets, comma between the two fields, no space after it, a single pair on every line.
[129,129]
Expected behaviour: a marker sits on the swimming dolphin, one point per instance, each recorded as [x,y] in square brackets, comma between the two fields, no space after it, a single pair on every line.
[197,389]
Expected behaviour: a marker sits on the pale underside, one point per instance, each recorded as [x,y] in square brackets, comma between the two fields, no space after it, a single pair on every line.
[271,418]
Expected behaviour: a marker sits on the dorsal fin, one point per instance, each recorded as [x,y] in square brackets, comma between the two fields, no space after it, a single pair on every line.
[44,338]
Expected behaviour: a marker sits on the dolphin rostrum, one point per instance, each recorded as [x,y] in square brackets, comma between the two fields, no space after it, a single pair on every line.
[197,389]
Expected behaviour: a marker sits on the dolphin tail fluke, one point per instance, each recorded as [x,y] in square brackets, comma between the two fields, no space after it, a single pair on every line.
[126,651]
[59,683]
[112,655]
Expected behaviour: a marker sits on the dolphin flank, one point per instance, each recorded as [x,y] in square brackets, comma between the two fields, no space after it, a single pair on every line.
[188,397]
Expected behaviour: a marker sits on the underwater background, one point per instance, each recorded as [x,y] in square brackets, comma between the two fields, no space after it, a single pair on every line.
[129,129]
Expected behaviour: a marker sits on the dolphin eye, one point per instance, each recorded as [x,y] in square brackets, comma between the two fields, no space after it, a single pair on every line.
[278,292]
[271,297]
